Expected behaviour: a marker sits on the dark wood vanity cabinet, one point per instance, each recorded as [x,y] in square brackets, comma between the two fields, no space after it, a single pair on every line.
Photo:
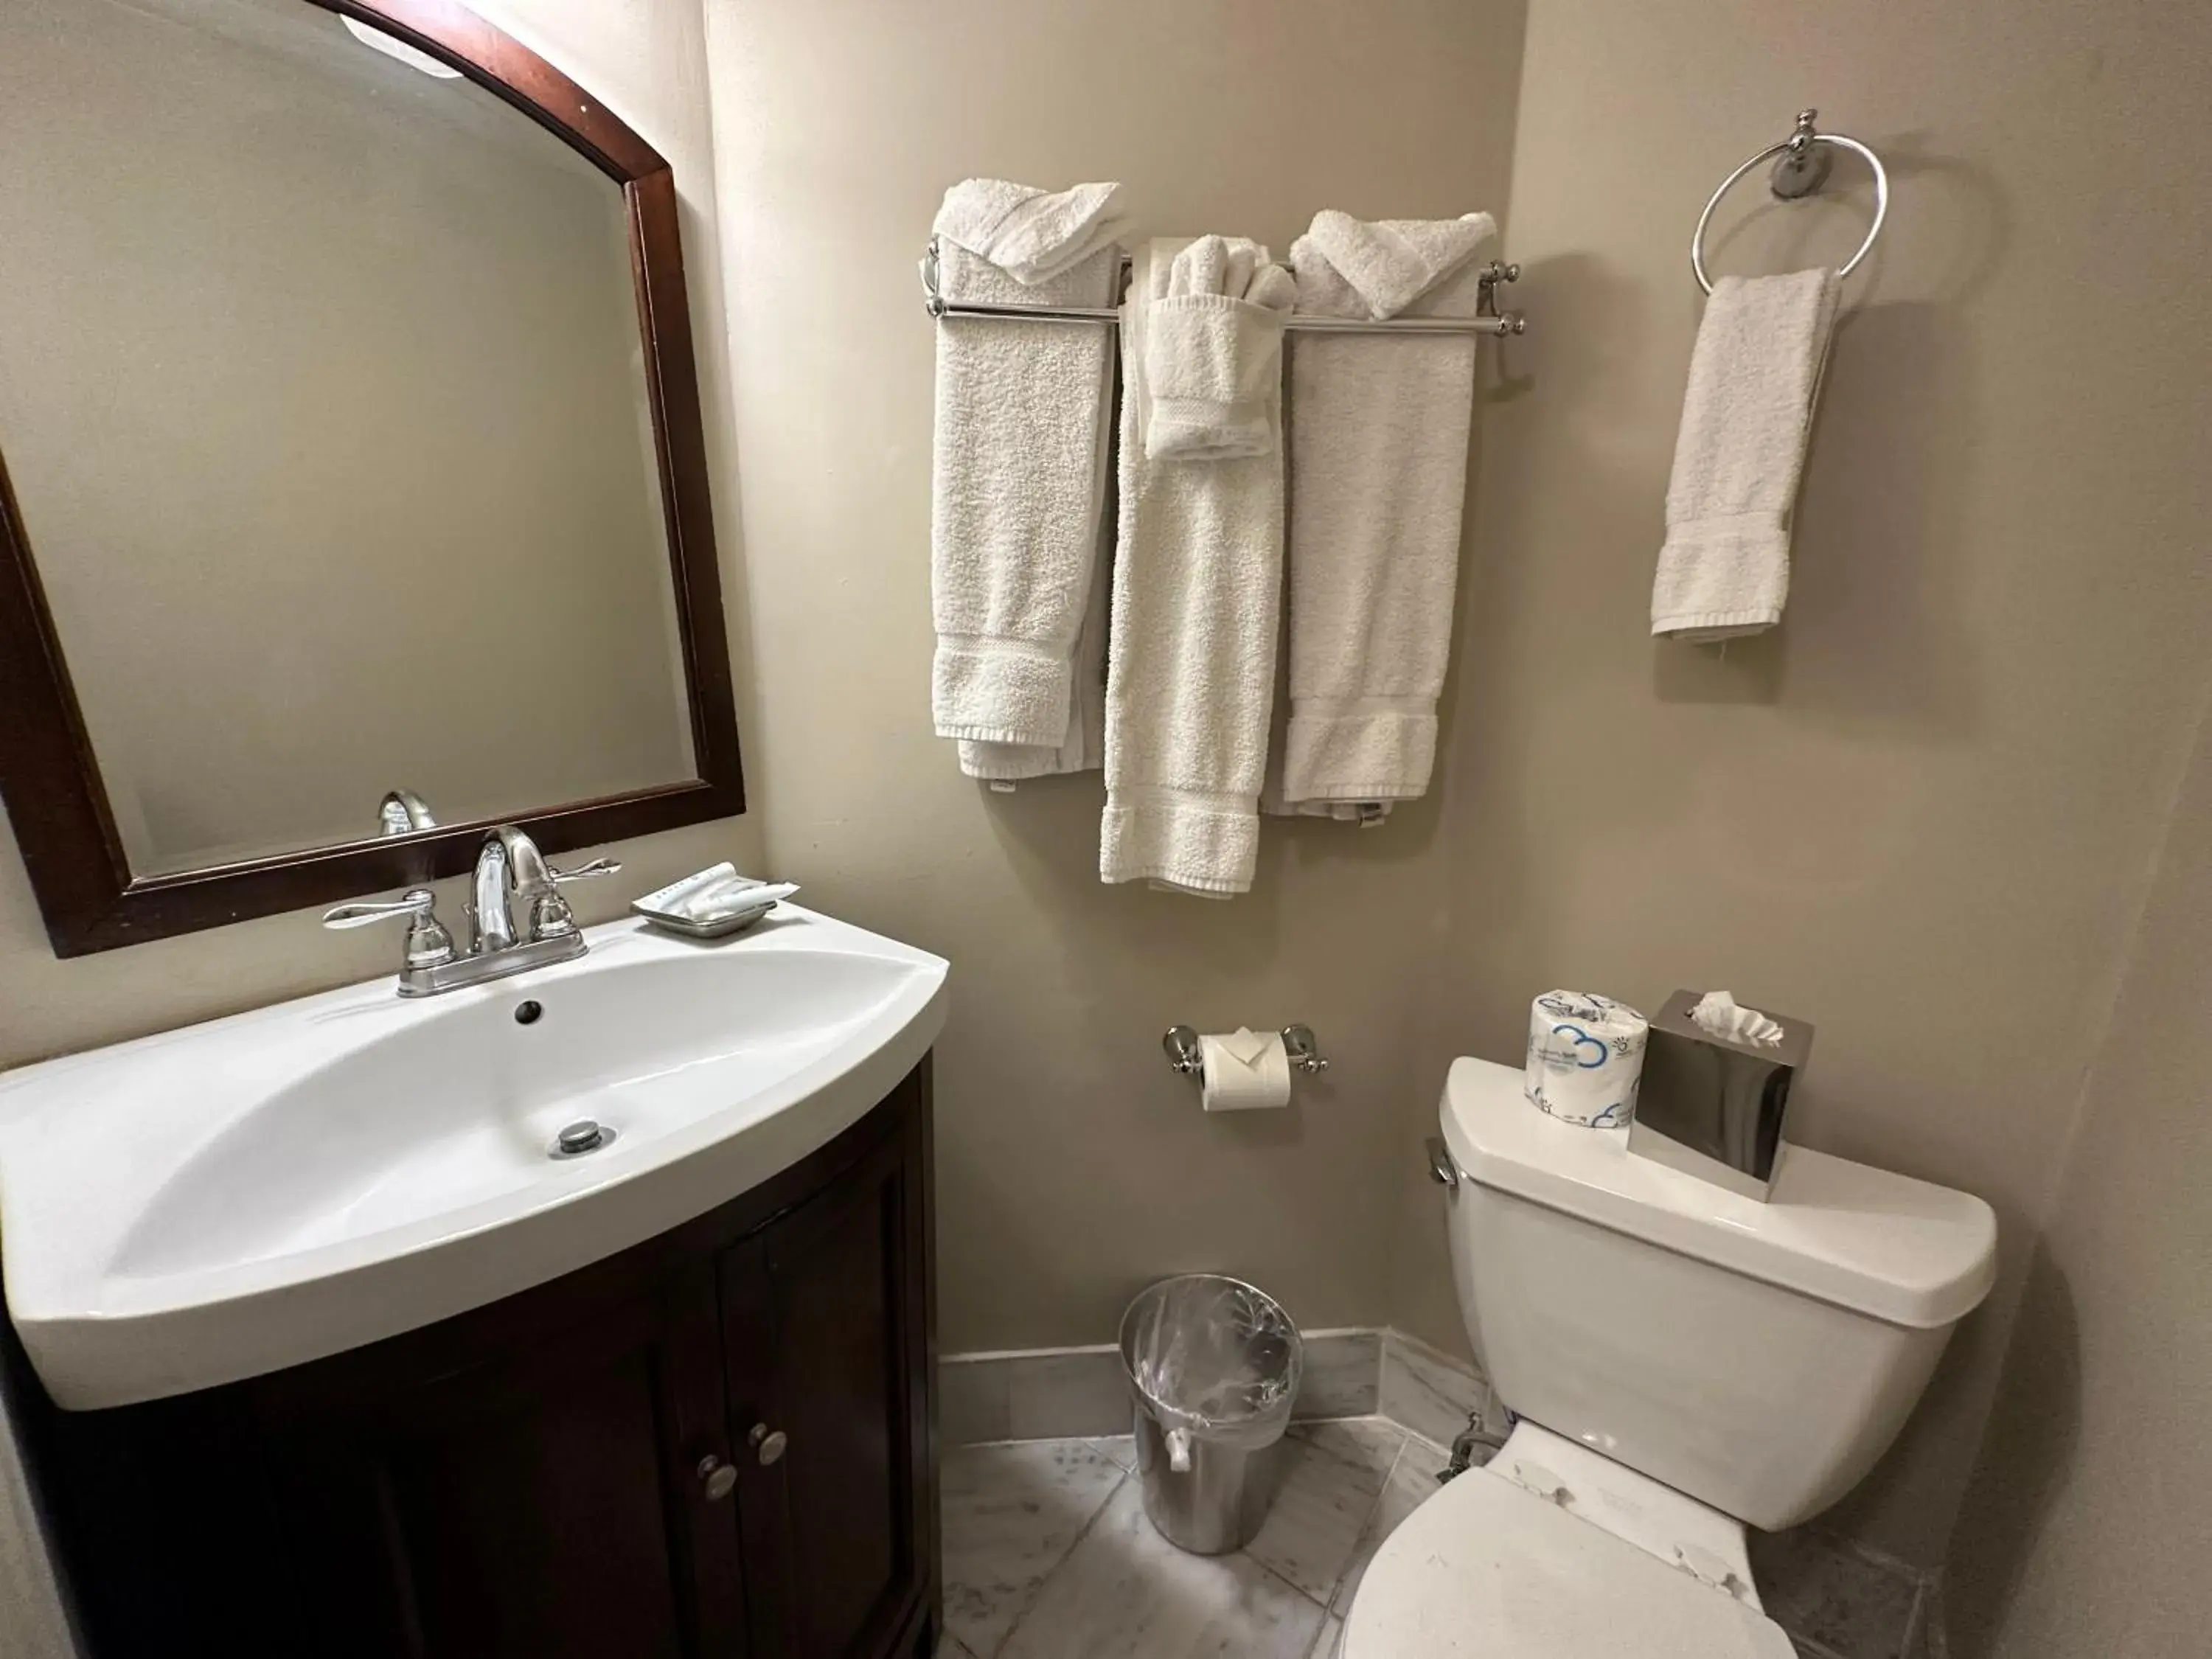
[717,1445]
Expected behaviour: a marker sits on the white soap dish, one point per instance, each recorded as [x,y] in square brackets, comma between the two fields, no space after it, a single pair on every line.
[714,904]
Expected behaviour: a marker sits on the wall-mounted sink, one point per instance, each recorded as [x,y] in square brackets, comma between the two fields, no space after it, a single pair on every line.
[236,1197]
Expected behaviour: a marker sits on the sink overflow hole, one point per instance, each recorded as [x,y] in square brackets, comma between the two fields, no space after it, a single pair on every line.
[585,1135]
[529,1013]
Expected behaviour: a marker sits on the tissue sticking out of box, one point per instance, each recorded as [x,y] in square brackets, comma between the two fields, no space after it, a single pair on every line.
[1724,1017]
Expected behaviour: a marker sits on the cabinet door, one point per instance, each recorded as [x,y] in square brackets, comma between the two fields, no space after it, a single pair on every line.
[550,1506]
[826,1328]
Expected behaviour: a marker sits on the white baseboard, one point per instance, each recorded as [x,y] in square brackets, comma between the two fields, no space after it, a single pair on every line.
[1049,1394]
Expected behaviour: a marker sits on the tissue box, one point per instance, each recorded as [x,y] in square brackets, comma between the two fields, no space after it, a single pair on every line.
[1712,1107]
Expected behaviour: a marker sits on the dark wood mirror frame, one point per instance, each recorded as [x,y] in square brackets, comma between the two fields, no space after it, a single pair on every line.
[49,776]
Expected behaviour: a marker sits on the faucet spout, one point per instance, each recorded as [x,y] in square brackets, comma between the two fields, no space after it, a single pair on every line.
[509,867]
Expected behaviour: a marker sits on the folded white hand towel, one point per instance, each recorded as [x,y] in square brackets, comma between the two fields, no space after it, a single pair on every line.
[1197,587]
[1754,380]
[1023,425]
[1379,432]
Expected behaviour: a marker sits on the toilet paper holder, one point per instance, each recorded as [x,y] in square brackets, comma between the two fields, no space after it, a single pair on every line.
[1181,1045]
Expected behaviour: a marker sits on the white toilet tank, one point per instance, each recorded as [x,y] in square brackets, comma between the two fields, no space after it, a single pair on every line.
[1759,1357]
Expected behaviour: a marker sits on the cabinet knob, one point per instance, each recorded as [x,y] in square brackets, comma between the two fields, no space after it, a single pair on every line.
[717,1477]
[768,1443]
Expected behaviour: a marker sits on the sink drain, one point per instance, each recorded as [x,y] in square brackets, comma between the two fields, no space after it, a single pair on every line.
[584,1136]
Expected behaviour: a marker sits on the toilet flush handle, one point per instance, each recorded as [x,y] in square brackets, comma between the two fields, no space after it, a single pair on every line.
[1442,1170]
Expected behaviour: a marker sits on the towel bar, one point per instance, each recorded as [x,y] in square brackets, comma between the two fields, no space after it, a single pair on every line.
[1487,318]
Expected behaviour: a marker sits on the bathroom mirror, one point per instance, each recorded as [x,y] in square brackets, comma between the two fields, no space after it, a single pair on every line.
[353,497]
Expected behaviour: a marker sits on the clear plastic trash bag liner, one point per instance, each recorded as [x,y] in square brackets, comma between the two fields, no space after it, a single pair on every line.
[1214,1359]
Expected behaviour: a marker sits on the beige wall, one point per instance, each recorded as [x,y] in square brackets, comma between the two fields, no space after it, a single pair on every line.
[2082,1534]
[646,58]
[1072,1166]
[1923,814]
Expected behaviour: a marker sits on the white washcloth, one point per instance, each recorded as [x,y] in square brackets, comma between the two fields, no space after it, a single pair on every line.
[1754,380]
[1379,431]
[1214,368]
[1197,575]
[1023,422]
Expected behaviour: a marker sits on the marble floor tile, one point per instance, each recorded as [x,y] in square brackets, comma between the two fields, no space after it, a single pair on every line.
[1121,1448]
[1428,1392]
[1925,1637]
[1330,1477]
[1010,1514]
[1412,1480]
[1330,1642]
[1845,1600]
[1342,1371]
[1126,1593]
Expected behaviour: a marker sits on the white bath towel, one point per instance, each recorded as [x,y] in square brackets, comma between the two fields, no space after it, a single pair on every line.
[1197,570]
[1754,380]
[1379,432]
[1023,425]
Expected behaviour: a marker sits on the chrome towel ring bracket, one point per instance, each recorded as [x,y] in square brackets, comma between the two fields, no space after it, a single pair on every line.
[1802,169]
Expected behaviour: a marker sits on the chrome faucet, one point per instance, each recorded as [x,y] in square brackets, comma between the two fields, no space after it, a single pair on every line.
[509,870]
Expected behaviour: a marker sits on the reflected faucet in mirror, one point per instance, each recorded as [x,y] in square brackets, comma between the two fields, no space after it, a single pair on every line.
[402,813]
[511,875]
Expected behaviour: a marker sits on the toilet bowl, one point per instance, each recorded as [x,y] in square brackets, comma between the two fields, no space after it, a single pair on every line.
[1516,1558]
[1683,1360]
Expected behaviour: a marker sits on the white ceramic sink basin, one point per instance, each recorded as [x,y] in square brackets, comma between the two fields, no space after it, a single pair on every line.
[236,1197]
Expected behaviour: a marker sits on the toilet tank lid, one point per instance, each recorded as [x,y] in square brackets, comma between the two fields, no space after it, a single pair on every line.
[1886,1245]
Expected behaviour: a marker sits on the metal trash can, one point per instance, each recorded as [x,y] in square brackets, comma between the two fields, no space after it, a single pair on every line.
[1213,1365]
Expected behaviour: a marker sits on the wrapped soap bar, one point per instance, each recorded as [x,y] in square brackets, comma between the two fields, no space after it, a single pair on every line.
[712,902]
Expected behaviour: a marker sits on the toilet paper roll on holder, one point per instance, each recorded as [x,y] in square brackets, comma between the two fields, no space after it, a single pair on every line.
[1184,1053]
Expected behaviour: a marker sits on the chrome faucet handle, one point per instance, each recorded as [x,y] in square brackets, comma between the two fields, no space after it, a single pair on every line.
[585,871]
[361,912]
[550,916]
[429,944]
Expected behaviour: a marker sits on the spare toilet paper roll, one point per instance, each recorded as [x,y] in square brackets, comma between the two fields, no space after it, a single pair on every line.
[1585,1058]
[1244,1070]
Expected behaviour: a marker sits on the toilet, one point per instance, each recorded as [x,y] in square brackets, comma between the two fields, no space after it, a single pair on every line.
[1682,1362]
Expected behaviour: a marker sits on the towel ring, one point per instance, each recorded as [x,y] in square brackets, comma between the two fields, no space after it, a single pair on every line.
[1801,170]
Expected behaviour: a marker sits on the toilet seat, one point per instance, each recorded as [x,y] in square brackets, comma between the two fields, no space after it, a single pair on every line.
[1487,1568]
